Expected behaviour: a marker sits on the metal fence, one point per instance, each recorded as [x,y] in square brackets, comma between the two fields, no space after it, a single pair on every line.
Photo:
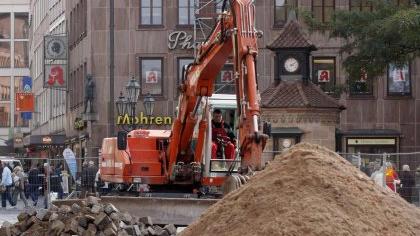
[397,171]
[38,181]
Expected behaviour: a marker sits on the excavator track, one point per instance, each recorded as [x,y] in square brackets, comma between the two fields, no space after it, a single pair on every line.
[177,211]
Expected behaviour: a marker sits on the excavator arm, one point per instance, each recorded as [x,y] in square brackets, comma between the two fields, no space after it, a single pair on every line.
[233,36]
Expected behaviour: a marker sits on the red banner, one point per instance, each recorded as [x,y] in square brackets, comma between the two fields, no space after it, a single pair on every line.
[24,102]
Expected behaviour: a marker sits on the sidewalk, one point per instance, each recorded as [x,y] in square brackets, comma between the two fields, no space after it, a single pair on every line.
[10,215]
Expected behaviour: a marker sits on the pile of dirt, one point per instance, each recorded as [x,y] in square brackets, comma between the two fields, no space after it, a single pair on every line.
[90,218]
[309,190]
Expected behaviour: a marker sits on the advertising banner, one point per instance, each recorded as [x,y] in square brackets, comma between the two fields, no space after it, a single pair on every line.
[24,102]
[70,159]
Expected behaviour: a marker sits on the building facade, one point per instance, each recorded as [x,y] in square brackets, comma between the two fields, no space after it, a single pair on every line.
[14,66]
[48,121]
[152,39]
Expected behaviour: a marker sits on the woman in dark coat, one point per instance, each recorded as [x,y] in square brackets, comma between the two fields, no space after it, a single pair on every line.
[407,181]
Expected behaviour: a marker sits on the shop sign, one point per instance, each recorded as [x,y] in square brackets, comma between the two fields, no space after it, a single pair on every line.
[24,102]
[79,124]
[55,76]
[180,39]
[323,76]
[371,141]
[46,140]
[144,120]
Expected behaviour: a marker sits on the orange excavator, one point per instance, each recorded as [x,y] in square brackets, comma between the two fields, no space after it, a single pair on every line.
[180,156]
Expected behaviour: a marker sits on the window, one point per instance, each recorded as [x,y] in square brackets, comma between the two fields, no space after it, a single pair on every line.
[323,72]
[225,82]
[185,12]
[21,54]
[219,6]
[323,10]
[281,10]
[5,26]
[399,81]
[21,25]
[5,90]
[4,54]
[181,63]
[361,86]
[151,12]
[361,5]
[151,71]
[4,115]
[21,119]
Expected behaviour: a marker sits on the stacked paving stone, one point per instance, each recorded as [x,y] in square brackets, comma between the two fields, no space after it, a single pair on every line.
[91,218]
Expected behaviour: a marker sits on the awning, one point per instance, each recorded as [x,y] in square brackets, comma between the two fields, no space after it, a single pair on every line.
[34,140]
[286,131]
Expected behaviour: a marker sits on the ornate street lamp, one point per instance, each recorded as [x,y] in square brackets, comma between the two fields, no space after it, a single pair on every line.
[121,104]
[149,105]
[133,91]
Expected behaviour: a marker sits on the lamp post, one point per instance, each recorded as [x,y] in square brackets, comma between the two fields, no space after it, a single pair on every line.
[128,105]
[133,90]
[149,104]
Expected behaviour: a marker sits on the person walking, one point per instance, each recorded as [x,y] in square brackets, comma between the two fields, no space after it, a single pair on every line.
[91,172]
[19,180]
[84,180]
[34,183]
[408,182]
[391,177]
[56,182]
[7,182]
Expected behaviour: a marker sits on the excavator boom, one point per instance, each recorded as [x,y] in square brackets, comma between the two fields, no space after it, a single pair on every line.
[233,36]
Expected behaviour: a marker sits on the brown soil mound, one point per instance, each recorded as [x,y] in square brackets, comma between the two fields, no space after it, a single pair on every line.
[309,190]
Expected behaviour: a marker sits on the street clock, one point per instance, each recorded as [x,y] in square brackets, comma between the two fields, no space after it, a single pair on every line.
[55,47]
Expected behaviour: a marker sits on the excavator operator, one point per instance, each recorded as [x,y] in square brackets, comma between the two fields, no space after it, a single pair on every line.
[223,138]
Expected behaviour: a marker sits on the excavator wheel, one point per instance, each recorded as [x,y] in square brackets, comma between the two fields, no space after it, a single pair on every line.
[233,182]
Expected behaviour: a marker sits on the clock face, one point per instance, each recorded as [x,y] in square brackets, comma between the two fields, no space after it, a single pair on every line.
[55,48]
[291,64]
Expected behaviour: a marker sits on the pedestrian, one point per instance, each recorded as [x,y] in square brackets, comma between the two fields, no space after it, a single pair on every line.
[407,183]
[19,180]
[391,177]
[417,180]
[378,175]
[7,182]
[47,173]
[91,172]
[34,183]
[84,179]
[56,182]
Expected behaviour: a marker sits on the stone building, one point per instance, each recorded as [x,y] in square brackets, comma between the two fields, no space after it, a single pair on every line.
[156,36]
[48,121]
[14,66]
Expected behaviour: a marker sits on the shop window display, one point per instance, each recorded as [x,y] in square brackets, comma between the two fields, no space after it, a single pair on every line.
[151,76]
[399,80]
[323,73]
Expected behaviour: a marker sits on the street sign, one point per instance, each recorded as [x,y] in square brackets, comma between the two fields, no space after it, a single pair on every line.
[55,47]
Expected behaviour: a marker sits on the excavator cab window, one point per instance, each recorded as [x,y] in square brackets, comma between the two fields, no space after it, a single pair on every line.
[223,161]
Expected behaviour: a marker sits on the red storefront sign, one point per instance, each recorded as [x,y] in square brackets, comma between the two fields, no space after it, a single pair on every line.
[55,76]
[24,102]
